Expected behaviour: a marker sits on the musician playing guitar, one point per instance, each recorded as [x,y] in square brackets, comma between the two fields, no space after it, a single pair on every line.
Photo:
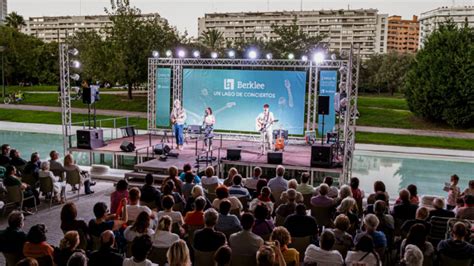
[178,117]
[264,124]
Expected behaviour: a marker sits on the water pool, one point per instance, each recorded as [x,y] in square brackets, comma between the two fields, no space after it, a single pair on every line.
[396,170]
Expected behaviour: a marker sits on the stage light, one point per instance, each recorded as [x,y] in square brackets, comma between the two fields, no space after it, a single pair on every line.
[214,55]
[169,53]
[231,54]
[304,58]
[74,52]
[269,56]
[181,53]
[252,54]
[75,77]
[318,58]
[75,64]
[342,69]
[291,56]
[196,54]
[155,54]
[333,57]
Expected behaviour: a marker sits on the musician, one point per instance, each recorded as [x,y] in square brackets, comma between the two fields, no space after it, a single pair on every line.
[264,125]
[208,125]
[178,117]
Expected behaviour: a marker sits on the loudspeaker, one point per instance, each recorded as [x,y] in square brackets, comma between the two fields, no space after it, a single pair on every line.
[161,149]
[321,155]
[90,138]
[90,94]
[323,105]
[275,157]
[233,154]
[127,146]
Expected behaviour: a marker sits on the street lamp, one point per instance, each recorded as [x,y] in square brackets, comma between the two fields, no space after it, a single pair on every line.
[2,50]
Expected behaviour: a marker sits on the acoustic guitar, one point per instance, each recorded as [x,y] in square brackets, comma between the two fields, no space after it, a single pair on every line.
[280,142]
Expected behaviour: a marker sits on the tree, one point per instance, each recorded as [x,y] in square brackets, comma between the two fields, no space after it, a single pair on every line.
[15,21]
[392,71]
[440,83]
[212,39]
[368,72]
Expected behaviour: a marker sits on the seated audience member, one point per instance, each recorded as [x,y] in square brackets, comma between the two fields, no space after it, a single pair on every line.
[106,255]
[263,198]
[364,253]
[133,207]
[291,255]
[245,243]
[466,212]
[222,193]
[263,226]
[270,255]
[305,188]
[469,190]
[260,184]
[140,227]
[324,254]
[459,205]
[173,176]
[54,162]
[121,191]
[69,222]
[67,247]
[104,220]
[322,200]
[11,179]
[378,196]
[405,210]
[343,241]
[78,258]
[163,237]
[386,221]
[285,209]
[439,210]
[209,179]
[178,254]
[278,184]
[453,192]
[4,157]
[227,222]
[292,184]
[149,193]
[379,186]
[208,239]
[58,186]
[223,256]
[167,203]
[28,262]
[346,207]
[13,238]
[197,192]
[15,158]
[187,185]
[196,216]
[413,256]
[36,245]
[417,237]
[70,165]
[230,177]
[141,246]
[332,190]
[456,247]
[237,189]
[168,189]
[345,192]
[32,167]
[187,169]
[251,182]
[421,217]
[357,193]
[371,223]
[414,199]
[300,224]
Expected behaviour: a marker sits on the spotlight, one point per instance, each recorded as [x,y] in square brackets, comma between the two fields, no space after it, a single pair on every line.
[269,56]
[75,64]
[291,56]
[214,55]
[155,54]
[181,53]
[231,54]
[196,54]
[318,57]
[252,54]
[304,58]
[75,77]
[333,57]
[74,51]
[169,53]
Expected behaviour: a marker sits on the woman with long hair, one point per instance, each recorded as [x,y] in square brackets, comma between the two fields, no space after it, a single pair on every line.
[70,165]
[178,254]
[70,222]
[141,226]
[364,253]
[208,124]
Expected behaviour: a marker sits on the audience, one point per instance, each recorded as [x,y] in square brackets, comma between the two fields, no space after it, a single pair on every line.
[263,226]
[187,169]
[245,243]
[58,186]
[163,237]
[197,192]
[405,210]
[345,192]
[69,165]
[209,179]
[196,216]
[237,189]
[322,200]
[33,166]
[229,181]
[332,190]
[222,193]
[173,176]
[364,253]
[4,157]
[149,193]
[11,180]
[305,188]
[208,239]
[288,208]
[54,164]
[439,210]
[278,184]
[27,262]
[371,223]
[167,203]
[290,255]
[70,222]
[178,254]
[379,187]
[324,254]
[456,247]
[133,207]
[270,255]
[421,217]
[346,207]
[188,185]
[78,258]
[413,256]
[36,245]
[264,197]
[417,236]
[106,255]
[13,238]
[300,224]
[141,246]
[140,227]
[15,159]
[104,220]
[227,223]
[386,221]
[469,190]
[169,189]
[67,247]
[357,193]
[251,182]
[343,241]
[292,184]
[466,212]
[223,256]
[121,192]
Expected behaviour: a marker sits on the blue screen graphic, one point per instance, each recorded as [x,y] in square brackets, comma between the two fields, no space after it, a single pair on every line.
[237,97]
[163,94]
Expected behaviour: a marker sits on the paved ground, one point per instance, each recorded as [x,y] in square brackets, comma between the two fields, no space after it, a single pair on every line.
[74,110]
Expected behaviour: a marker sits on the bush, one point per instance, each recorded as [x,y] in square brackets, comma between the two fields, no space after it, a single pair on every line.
[440,83]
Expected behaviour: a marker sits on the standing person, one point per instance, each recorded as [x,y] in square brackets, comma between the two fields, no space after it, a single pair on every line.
[264,123]
[178,117]
[453,192]
[208,124]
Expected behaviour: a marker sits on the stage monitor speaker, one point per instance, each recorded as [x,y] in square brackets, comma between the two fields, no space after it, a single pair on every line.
[127,146]
[275,157]
[233,154]
[321,155]
[323,105]
[161,149]
[90,138]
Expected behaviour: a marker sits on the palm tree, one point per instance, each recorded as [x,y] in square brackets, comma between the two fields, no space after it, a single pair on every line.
[15,20]
[212,38]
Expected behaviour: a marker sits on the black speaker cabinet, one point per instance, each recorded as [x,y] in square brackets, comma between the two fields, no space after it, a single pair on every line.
[161,149]
[321,155]
[127,146]
[323,105]
[90,138]
[233,154]
[275,157]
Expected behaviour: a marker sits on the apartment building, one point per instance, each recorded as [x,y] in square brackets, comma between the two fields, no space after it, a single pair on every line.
[3,11]
[403,34]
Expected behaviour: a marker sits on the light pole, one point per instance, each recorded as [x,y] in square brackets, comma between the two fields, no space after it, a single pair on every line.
[2,50]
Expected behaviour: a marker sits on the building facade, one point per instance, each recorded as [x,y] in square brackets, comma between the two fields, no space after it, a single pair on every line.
[364,27]
[403,34]
[431,20]
[3,11]
[59,28]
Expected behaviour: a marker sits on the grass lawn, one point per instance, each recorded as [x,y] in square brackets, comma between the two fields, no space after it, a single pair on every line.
[382,102]
[415,141]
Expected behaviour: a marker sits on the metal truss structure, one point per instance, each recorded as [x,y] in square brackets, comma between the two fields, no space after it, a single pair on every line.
[348,84]
[65,90]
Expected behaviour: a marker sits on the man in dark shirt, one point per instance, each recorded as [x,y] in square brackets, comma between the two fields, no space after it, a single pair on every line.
[208,239]
[13,238]
[300,224]
[405,210]
[33,166]
[421,218]
[4,156]
[439,209]
[149,193]
[106,255]
[456,248]
[15,158]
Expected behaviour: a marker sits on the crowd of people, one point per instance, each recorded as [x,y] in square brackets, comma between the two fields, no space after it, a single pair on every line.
[202,220]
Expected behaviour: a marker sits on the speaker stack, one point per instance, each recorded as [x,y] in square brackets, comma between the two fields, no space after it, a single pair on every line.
[90,138]
[321,155]
[275,157]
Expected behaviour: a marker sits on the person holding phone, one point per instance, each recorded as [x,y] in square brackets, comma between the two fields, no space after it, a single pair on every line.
[208,125]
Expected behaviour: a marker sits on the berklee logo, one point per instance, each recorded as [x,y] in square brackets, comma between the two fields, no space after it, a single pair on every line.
[229,84]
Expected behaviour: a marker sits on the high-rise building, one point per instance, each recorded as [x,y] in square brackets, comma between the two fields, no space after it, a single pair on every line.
[403,34]
[431,20]
[58,29]
[3,11]
[364,27]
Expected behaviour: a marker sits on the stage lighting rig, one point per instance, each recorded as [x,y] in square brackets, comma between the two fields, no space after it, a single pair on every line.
[291,56]
[75,64]
[196,54]
[181,53]
[75,77]
[73,52]
[318,57]
[214,55]
[253,54]
[168,53]
[155,54]
[231,54]
[304,58]
[269,56]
